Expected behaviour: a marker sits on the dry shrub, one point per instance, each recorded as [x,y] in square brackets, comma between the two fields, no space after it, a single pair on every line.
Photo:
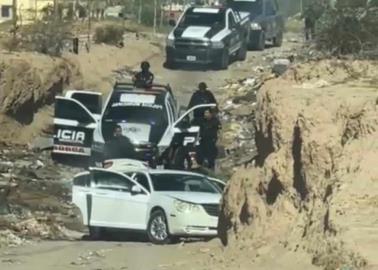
[47,36]
[348,27]
[109,34]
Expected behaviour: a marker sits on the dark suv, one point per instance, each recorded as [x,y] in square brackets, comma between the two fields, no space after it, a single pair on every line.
[267,24]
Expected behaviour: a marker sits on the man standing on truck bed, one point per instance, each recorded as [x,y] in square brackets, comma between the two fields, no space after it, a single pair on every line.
[144,78]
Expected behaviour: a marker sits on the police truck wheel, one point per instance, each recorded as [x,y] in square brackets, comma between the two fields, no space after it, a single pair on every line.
[277,40]
[169,63]
[242,53]
[224,60]
[261,42]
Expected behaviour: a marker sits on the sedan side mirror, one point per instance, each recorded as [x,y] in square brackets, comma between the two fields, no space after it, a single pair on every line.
[135,189]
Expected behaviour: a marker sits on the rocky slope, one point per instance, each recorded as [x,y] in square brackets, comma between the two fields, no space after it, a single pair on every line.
[29,82]
[315,188]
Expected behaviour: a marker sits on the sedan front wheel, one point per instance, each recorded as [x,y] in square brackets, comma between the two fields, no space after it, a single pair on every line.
[157,229]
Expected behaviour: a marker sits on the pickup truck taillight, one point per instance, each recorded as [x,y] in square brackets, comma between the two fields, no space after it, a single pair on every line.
[107,164]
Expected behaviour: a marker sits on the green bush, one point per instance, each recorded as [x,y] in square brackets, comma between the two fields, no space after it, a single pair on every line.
[109,34]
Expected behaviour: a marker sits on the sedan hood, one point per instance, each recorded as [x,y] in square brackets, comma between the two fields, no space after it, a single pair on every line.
[194,197]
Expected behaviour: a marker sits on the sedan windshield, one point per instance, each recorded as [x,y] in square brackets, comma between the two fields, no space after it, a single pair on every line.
[182,182]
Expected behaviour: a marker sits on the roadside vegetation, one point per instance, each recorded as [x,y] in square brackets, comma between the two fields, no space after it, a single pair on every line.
[348,27]
[53,31]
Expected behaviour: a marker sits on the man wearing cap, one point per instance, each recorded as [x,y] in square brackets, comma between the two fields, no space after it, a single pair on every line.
[144,78]
[201,96]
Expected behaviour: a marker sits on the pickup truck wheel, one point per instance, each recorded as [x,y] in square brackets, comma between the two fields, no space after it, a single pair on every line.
[277,40]
[261,42]
[224,61]
[242,53]
[157,229]
[170,64]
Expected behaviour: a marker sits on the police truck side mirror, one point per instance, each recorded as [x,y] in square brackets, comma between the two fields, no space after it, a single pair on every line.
[184,123]
[182,110]
[172,22]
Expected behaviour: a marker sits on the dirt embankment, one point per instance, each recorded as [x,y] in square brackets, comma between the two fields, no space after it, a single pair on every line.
[314,192]
[30,81]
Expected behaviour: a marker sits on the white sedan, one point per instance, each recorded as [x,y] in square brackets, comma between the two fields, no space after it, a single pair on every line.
[166,204]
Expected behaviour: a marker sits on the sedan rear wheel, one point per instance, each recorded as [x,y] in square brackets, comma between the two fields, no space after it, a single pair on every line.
[157,229]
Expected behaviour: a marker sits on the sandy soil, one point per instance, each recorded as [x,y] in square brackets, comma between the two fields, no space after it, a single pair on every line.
[314,189]
[143,256]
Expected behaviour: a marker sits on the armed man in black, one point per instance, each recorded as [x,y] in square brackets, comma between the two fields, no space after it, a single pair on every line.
[201,96]
[144,78]
[207,150]
[119,146]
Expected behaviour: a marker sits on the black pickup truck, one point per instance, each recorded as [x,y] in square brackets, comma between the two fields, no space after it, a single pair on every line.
[267,24]
[208,35]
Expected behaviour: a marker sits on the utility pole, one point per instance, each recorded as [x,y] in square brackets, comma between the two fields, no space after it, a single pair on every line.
[14,19]
[155,15]
[140,11]
[56,15]
[161,13]
[89,13]
[35,10]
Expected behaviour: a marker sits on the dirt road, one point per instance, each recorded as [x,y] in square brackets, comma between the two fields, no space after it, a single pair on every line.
[102,255]
[138,255]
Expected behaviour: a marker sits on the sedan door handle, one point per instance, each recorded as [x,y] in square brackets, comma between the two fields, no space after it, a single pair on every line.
[101,193]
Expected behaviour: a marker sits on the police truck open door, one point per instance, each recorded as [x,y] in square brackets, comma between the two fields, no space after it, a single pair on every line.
[73,127]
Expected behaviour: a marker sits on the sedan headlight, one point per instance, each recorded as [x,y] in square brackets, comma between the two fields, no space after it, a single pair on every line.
[185,207]
[217,45]
[170,42]
[255,26]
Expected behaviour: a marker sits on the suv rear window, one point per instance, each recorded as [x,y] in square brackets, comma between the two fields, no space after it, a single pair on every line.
[137,108]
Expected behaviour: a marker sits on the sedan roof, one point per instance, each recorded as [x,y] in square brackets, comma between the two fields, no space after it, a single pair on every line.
[160,171]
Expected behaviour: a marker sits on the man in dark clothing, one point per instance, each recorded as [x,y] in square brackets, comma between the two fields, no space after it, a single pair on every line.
[201,96]
[144,78]
[119,146]
[309,28]
[312,13]
[207,149]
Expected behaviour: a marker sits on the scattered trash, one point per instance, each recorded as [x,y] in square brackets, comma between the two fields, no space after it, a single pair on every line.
[280,66]
[34,197]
